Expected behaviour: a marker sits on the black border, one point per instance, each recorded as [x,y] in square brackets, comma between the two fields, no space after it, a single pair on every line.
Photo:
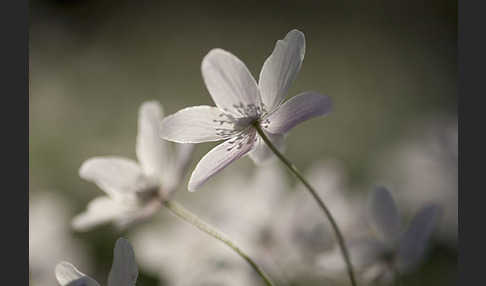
[14,25]
[471,63]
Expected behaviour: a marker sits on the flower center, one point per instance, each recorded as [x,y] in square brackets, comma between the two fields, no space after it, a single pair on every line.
[389,257]
[147,195]
[232,125]
[241,139]
[249,110]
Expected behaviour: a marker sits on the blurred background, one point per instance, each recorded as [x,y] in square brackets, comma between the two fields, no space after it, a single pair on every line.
[389,67]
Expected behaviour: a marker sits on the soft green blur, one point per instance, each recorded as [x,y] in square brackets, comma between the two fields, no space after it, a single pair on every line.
[92,63]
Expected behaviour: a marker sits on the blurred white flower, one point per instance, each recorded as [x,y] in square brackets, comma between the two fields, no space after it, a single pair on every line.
[281,229]
[299,233]
[240,103]
[423,168]
[49,222]
[392,250]
[124,271]
[182,255]
[246,205]
[134,188]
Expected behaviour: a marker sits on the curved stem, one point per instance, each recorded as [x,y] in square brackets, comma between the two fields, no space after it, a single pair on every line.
[189,217]
[320,202]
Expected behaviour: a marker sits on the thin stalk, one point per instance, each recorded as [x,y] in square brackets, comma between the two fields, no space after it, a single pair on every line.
[320,202]
[191,218]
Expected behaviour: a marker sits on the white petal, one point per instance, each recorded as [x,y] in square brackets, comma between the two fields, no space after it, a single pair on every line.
[114,175]
[230,83]
[151,150]
[124,271]
[183,156]
[99,211]
[136,215]
[261,153]
[295,110]
[220,157]
[181,160]
[67,274]
[384,218]
[281,68]
[414,240]
[197,124]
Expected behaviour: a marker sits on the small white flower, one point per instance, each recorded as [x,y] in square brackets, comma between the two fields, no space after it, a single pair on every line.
[424,167]
[124,271]
[392,249]
[240,103]
[134,188]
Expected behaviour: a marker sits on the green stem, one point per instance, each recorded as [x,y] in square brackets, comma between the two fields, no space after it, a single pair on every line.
[320,202]
[189,217]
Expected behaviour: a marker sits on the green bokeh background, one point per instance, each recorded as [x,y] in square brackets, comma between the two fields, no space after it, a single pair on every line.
[92,63]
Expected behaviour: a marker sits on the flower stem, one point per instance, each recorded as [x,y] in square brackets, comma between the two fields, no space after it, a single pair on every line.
[191,218]
[320,202]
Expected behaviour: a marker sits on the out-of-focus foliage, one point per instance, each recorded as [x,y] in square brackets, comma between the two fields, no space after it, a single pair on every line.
[389,67]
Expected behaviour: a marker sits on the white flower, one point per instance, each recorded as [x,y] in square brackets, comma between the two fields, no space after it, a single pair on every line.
[423,167]
[134,188]
[240,103]
[124,271]
[49,216]
[392,248]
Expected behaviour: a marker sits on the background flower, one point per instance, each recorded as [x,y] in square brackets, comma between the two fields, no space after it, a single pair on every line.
[276,225]
[423,167]
[301,232]
[134,189]
[124,270]
[242,207]
[393,250]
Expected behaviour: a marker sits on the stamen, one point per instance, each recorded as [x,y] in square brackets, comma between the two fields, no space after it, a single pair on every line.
[250,110]
[240,141]
[265,123]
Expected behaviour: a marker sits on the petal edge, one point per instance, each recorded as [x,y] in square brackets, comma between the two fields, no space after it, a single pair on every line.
[219,157]
[281,68]
[296,110]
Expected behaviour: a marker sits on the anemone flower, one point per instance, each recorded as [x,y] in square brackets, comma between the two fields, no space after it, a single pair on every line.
[134,189]
[424,167]
[393,250]
[124,271]
[243,106]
